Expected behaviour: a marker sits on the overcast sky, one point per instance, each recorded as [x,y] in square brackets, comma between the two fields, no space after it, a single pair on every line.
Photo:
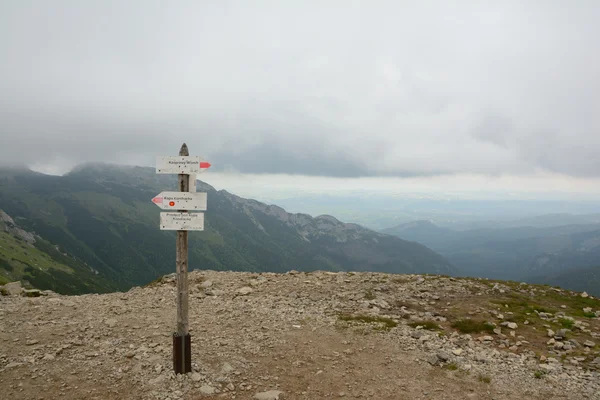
[340,89]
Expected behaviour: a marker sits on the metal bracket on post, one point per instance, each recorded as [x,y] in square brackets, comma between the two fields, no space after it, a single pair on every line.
[182,353]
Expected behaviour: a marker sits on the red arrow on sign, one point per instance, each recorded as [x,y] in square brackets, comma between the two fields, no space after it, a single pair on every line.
[157,200]
[204,164]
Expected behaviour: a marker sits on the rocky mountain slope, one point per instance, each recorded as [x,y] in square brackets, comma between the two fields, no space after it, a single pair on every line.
[316,335]
[103,218]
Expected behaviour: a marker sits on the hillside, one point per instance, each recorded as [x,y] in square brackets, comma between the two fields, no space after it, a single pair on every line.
[28,257]
[517,253]
[580,279]
[315,335]
[103,218]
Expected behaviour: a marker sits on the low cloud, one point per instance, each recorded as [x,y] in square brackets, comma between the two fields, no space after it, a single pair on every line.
[363,90]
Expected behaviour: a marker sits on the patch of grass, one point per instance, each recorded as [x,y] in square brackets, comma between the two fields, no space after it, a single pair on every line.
[484,379]
[572,300]
[520,305]
[452,366]
[382,322]
[472,326]
[589,314]
[566,323]
[539,374]
[428,324]
[369,295]
[154,283]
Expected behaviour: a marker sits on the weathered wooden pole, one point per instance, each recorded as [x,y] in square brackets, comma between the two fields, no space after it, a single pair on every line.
[182,357]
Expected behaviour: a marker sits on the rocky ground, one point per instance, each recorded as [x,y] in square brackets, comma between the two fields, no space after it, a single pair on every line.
[313,335]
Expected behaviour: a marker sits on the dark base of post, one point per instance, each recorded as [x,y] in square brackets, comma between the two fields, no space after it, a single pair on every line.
[182,353]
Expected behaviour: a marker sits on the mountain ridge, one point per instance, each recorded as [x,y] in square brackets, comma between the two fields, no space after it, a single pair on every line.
[102,215]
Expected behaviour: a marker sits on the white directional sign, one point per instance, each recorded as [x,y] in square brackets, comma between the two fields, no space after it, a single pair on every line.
[181,165]
[181,201]
[181,221]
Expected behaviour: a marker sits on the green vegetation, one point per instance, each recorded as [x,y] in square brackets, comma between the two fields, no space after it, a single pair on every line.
[369,295]
[106,227]
[566,323]
[472,326]
[381,323]
[428,324]
[539,374]
[452,366]
[484,379]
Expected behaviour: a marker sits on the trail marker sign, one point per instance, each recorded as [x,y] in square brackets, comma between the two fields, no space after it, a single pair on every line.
[181,165]
[181,201]
[181,221]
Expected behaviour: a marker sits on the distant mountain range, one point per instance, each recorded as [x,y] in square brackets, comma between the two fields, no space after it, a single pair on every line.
[534,254]
[95,230]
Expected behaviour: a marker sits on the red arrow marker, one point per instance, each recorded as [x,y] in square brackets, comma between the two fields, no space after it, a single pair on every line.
[157,200]
[204,164]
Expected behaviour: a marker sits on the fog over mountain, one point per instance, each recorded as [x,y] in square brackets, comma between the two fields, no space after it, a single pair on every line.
[346,89]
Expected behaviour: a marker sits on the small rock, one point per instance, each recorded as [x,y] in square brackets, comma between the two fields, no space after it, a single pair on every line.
[48,357]
[424,338]
[589,343]
[558,345]
[270,395]
[206,284]
[584,295]
[563,306]
[433,359]
[443,356]
[551,333]
[246,290]
[196,377]
[457,352]
[111,322]
[486,339]
[31,293]
[547,367]
[510,325]
[207,389]
[561,334]
[32,342]
[13,288]
[497,330]
[587,309]
[226,368]
[416,334]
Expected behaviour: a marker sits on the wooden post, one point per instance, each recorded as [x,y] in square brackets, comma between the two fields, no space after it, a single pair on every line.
[182,362]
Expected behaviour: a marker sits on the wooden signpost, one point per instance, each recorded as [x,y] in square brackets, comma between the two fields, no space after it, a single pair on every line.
[181,220]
